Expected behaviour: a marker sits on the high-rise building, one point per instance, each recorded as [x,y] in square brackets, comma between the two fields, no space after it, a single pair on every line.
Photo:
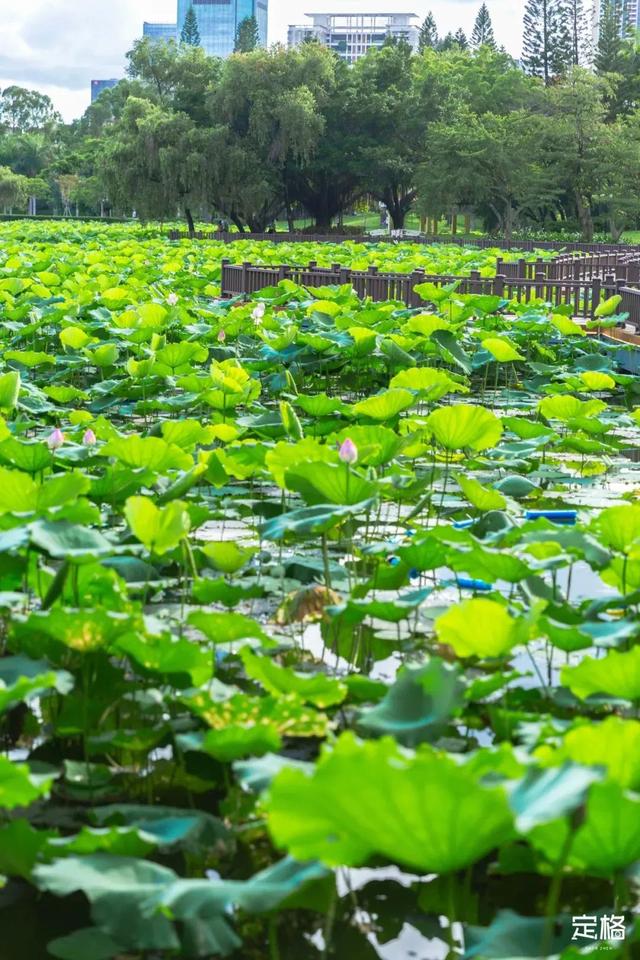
[350,35]
[218,22]
[97,86]
[160,31]
[627,12]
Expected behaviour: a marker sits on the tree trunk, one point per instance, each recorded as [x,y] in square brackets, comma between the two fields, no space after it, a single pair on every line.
[583,208]
[616,230]
[190,223]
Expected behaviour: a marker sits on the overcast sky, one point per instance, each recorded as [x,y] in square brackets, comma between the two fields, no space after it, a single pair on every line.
[59,47]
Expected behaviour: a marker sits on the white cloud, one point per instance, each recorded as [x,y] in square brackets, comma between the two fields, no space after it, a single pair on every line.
[59,47]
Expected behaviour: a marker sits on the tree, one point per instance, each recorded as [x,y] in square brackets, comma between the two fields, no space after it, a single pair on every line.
[482,34]
[190,31]
[575,149]
[428,37]
[546,45]
[461,39]
[579,33]
[24,111]
[247,36]
[14,188]
[610,46]
[156,161]
[617,174]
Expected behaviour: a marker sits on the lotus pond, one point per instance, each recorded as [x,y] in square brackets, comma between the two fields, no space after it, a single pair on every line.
[320,632]
[91,251]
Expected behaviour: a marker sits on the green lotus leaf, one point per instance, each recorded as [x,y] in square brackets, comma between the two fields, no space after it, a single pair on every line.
[619,527]
[18,786]
[544,795]
[517,487]
[287,715]
[68,541]
[481,628]
[370,798]
[187,434]
[383,406]
[567,327]
[501,350]
[613,744]
[429,383]
[31,457]
[22,679]
[184,662]
[233,742]
[311,520]
[227,556]
[9,390]
[159,528]
[464,426]
[608,839]
[226,628]
[150,453]
[567,408]
[83,630]
[482,498]
[375,445]
[418,705]
[435,294]
[608,306]
[286,455]
[319,689]
[88,942]
[617,674]
[322,483]
[319,405]
[510,936]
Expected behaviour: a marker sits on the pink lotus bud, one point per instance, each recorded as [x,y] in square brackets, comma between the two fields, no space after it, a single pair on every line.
[348,452]
[89,438]
[172,299]
[221,336]
[55,439]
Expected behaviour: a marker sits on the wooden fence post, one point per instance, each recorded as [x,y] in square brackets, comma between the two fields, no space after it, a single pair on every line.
[498,284]
[246,266]
[224,265]
[596,293]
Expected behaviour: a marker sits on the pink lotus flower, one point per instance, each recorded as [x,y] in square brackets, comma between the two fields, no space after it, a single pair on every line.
[55,439]
[258,313]
[221,336]
[172,299]
[89,438]
[348,452]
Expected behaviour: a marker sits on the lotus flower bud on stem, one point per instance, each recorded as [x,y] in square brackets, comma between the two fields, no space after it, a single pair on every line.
[348,451]
[89,438]
[221,336]
[55,439]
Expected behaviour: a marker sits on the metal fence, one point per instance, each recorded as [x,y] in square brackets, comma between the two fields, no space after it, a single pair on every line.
[583,294]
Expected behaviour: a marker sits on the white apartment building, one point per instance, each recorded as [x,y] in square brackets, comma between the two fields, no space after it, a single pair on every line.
[350,35]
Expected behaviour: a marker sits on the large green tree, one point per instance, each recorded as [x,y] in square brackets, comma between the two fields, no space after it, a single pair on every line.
[482,34]
[546,43]
[428,36]
[247,36]
[190,32]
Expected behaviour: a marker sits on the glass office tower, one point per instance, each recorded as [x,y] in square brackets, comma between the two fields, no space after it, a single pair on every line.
[218,21]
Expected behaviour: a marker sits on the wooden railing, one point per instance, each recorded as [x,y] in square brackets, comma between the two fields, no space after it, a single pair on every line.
[582,294]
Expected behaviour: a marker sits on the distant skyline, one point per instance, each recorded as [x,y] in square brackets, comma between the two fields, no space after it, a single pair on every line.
[60,47]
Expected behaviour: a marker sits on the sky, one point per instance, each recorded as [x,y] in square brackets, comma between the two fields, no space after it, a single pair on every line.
[59,47]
